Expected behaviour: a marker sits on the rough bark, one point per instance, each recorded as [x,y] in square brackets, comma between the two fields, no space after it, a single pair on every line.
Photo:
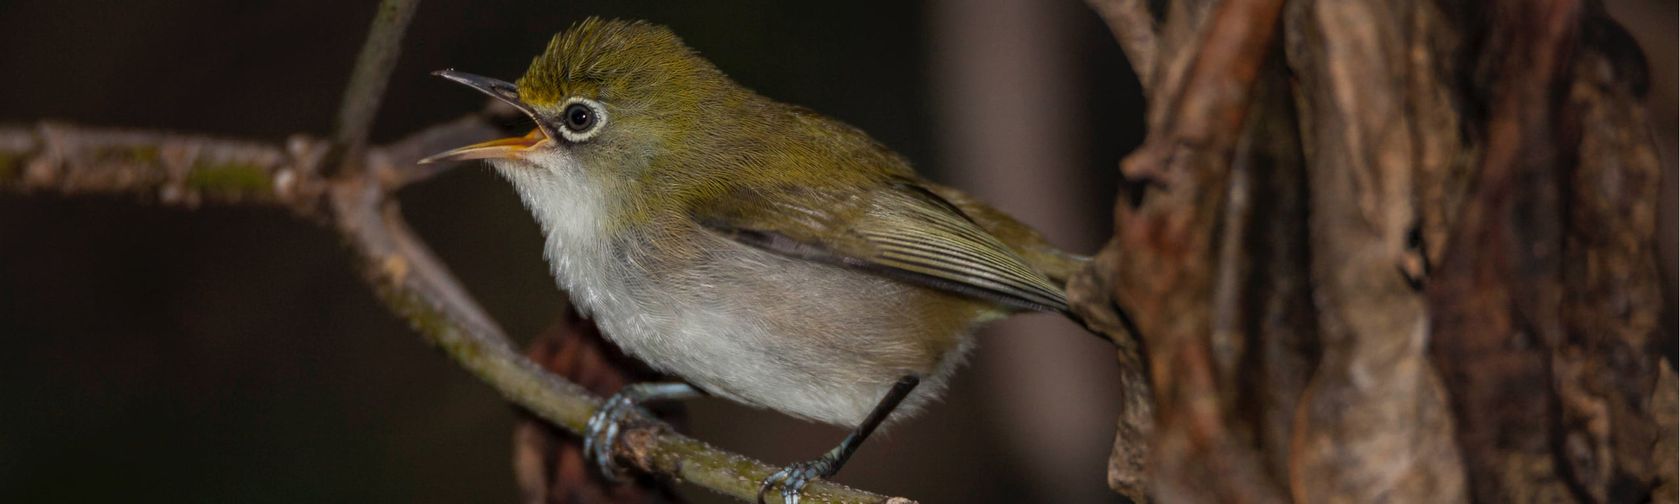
[1161,266]
[1426,271]
[1373,388]
[1372,250]
[1616,391]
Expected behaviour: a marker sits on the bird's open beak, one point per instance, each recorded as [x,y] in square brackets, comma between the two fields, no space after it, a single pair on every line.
[500,148]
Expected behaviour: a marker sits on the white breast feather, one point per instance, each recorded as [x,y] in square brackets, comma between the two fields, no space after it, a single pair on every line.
[722,352]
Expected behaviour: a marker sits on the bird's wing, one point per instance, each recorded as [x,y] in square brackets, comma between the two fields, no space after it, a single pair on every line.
[899,229]
[1025,241]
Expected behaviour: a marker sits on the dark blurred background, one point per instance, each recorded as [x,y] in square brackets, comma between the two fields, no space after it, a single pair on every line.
[232,354]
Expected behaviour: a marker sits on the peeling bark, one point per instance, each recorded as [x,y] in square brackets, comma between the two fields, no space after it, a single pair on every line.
[1161,266]
[1373,250]
[1426,272]
[1371,424]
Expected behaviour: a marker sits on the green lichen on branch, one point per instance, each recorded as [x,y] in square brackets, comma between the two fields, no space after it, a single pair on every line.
[412,283]
[127,154]
[689,459]
[424,320]
[229,179]
[11,167]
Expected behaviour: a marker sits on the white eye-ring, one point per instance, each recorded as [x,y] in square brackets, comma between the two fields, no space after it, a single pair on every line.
[581,118]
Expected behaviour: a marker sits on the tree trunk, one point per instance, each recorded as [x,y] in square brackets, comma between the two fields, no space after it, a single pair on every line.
[1388,250]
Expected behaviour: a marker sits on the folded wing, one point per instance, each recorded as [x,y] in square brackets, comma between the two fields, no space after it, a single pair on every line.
[900,230]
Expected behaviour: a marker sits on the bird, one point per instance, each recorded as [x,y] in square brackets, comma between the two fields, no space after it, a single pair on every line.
[758,251]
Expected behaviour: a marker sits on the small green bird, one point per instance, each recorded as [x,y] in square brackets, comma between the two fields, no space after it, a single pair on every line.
[757,250]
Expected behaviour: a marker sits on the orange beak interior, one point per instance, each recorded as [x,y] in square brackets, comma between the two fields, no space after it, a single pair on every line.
[503,148]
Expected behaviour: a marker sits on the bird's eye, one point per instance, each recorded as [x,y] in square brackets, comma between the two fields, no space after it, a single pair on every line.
[581,119]
[578,117]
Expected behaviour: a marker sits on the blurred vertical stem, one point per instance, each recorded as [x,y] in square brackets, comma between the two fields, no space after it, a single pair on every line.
[362,95]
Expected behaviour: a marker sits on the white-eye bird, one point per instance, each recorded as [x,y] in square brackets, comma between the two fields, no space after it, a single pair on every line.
[757,250]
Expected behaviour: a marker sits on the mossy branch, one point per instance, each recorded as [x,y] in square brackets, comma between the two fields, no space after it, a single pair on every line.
[368,79]
[191,170]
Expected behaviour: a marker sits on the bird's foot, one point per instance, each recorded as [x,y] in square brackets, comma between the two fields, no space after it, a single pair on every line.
[601,434]
[793,478]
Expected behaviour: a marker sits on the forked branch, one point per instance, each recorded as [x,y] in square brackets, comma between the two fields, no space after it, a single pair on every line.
[351,188]
[188,170]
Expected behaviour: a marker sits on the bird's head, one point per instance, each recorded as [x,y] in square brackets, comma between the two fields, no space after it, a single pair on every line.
[614,102]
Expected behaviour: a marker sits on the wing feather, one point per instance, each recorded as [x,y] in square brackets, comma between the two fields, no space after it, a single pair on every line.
[900,232]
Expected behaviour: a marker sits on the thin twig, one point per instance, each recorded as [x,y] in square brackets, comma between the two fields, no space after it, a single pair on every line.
[1134,28]
[189,170]
[368,79]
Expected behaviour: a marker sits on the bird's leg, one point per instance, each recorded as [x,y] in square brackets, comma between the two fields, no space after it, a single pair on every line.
[794,477]
[601,433]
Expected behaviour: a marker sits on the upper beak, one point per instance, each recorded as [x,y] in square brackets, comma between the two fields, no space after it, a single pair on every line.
[500,148]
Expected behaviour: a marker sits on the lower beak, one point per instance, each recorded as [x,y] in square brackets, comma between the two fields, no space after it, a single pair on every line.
[503,148]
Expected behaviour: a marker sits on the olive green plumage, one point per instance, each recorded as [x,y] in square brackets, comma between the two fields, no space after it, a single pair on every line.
[758,250]
[743,164]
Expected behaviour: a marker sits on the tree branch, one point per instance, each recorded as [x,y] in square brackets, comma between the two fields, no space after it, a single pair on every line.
[1134,28]
[1371,115]
[189,170]
[549,464]
[1496,317]
[1471,312]
[1160,266]
[1615,388]
[368,78]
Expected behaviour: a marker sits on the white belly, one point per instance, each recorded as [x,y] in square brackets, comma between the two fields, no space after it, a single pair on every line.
[810,340]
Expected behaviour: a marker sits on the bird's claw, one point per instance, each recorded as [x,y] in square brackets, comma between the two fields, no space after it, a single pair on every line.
[601,434]
[793,479]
